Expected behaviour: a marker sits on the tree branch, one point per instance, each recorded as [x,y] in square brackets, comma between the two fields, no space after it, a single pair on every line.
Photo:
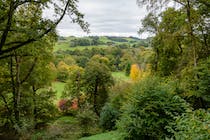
[27,1]
[180,2]
[8,26]
[40,36]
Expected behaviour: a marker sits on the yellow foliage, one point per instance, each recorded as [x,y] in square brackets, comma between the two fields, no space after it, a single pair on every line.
[75,70]
[62,66]
[52,67]
[135,73]
[138,74]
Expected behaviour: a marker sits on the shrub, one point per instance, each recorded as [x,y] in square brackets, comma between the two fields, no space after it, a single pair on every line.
[191,126]
[196,82]
[119,94]
[68,107]
[151,107]
[108,117]
[87,120]
[64,105]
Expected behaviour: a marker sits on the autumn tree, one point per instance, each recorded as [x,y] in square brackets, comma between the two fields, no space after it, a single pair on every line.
[135,72]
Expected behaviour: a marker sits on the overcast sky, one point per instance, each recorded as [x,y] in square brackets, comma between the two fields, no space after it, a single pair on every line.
[106,17]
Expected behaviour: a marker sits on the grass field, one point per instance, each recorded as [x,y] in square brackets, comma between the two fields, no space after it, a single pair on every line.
[120,76]
[113,135]
[59,88]
[65,46]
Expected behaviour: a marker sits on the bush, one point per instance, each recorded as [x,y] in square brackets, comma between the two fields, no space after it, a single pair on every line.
[151,107]
[108,117]
[119,94]
[87,120]
[191,126]
[68,107]
[196,82]
[64,105]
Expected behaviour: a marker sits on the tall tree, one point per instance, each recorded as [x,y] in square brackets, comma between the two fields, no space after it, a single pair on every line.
[20,24]
[98,79]
[181,44]
[179,31]
[25,72]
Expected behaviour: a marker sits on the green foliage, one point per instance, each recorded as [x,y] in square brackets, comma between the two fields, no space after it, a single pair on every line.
[181,35]
[151,107]
[97,80]
[119,93]
[62,71]
[65,127]
[127,69]
[45,110]
[28,25]
[108,117]
[87,120]
[191,126]
[80,42]
[74,86]
[119,57]
[196,82]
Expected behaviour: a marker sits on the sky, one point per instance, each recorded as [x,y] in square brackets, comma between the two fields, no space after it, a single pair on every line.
[106,17]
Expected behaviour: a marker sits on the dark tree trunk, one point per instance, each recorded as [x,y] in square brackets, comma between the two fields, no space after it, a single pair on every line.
[35,106]
[13,85]
[95,99]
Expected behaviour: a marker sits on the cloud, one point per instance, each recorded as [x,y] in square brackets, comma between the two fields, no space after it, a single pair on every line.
[106,17]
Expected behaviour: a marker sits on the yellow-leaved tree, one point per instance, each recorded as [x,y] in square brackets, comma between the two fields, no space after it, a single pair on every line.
[135,73]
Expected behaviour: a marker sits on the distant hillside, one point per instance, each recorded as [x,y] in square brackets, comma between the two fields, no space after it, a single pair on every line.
[71,42]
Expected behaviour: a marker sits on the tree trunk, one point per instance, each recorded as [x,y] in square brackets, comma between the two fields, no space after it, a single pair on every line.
[13,85]
[95,99]
[191,35]
[35,106]
[18,92]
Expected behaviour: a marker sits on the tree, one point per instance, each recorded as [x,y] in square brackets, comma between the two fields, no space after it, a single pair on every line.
[151,106]
[181,45]
[74,86]
[22,22]
[196,83]
[23,78]
[63,71]
[180,34]
[135,72]
[98,79]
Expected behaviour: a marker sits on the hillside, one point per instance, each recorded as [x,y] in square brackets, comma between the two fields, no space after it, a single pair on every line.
[72,43]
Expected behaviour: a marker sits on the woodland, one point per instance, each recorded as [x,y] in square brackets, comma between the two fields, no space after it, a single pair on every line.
[105,87]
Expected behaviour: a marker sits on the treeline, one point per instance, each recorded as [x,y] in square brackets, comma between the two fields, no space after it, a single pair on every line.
[104,40]
[94,40]
[120,58]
